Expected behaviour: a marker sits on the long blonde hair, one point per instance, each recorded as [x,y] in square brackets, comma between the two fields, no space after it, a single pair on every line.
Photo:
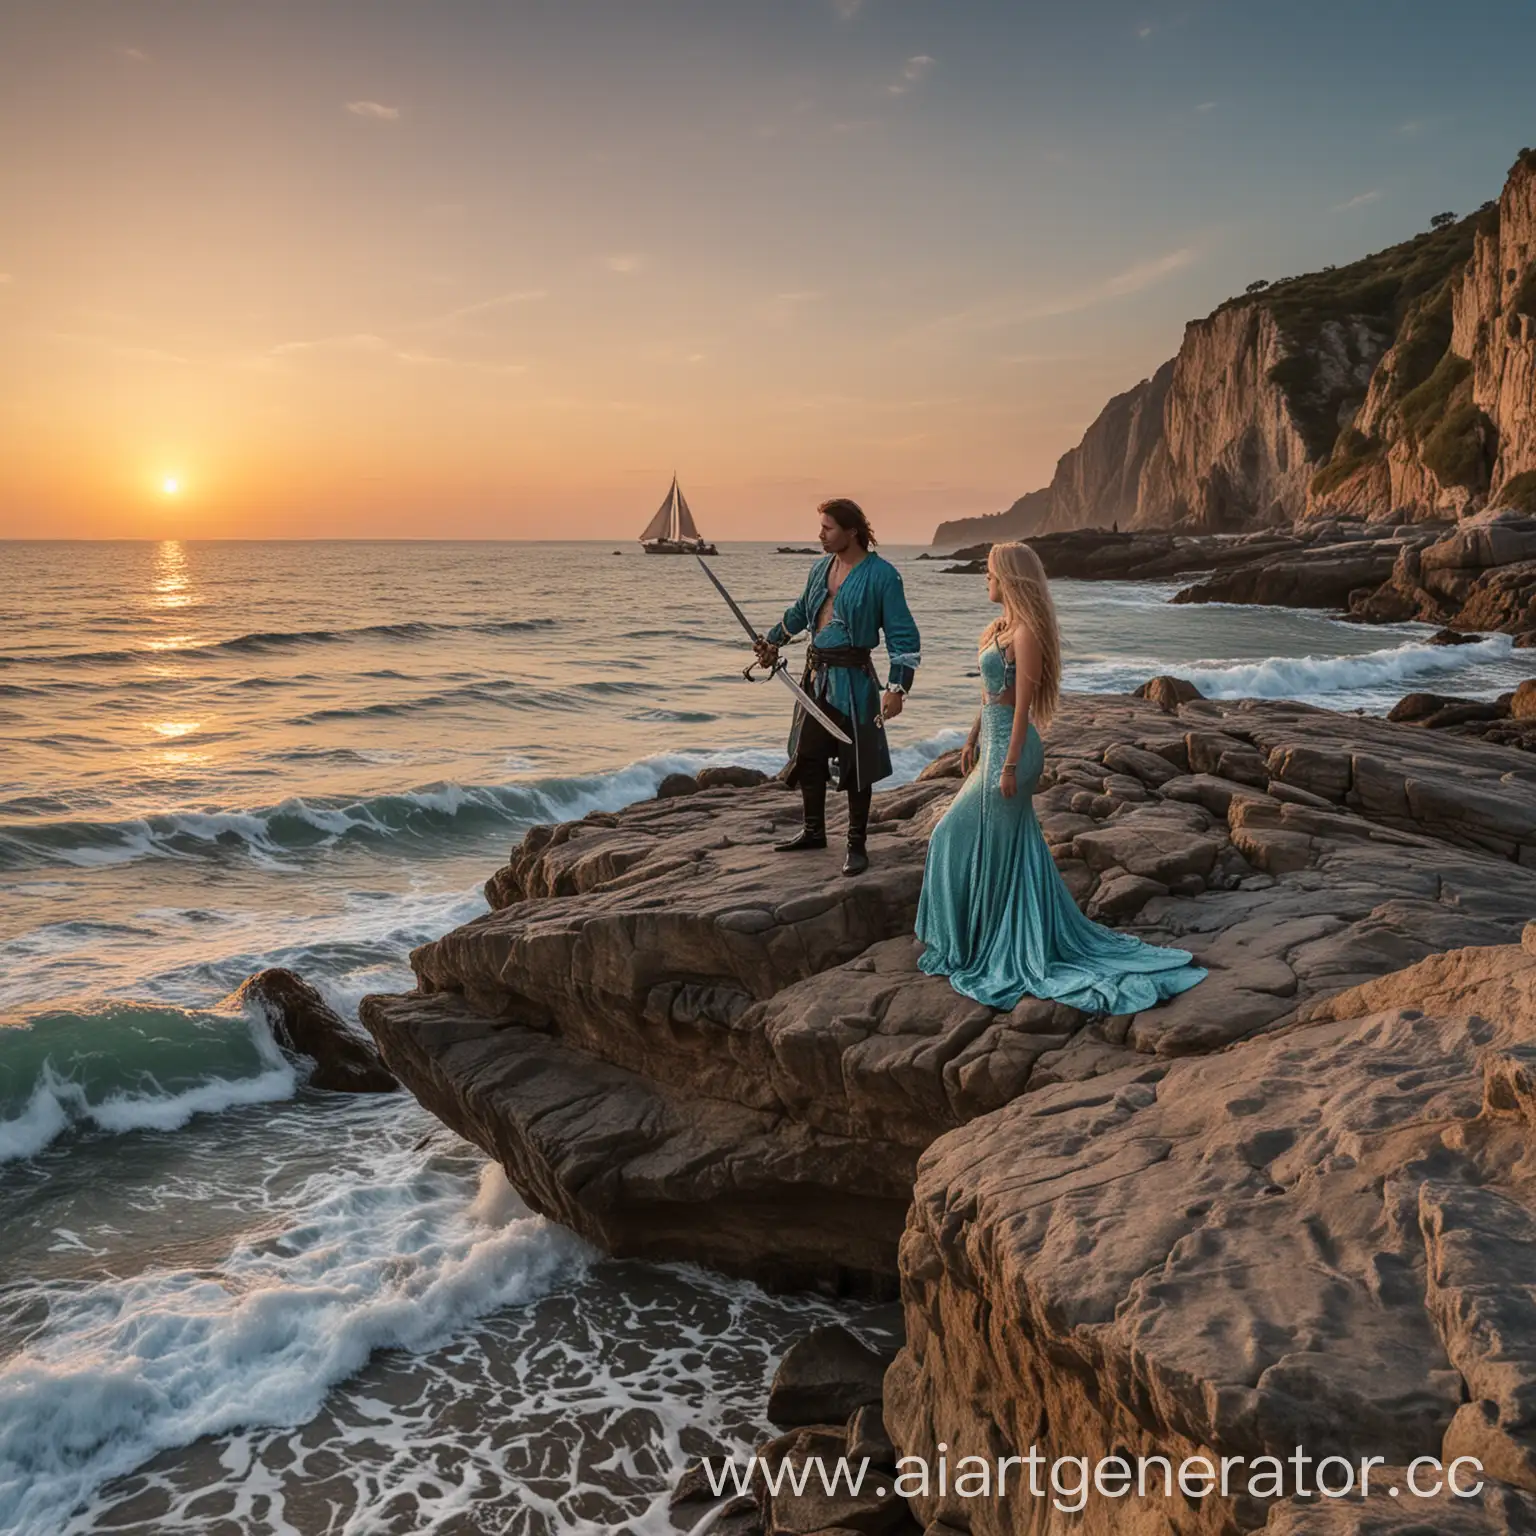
[1027,601]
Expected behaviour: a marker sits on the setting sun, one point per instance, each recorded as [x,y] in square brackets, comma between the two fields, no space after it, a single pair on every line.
[170,485]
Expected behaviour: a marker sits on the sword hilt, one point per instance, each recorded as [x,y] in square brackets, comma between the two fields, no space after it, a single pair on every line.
[754,664]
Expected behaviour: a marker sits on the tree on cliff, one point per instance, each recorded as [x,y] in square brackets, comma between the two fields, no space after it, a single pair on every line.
[1257,287]
[1440,220]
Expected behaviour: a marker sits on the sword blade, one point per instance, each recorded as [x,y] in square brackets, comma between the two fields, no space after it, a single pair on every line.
[810,706]
[802,698]
[745,622]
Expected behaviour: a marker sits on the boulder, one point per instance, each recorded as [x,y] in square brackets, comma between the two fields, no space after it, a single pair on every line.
[1168,692]
[675,784]
[824,1378]
[732,777]
[303,1023]
[825,1506]
[868,1439]
[945,766]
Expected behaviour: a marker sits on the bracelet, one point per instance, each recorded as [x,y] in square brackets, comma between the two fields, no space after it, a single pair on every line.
[1014,766]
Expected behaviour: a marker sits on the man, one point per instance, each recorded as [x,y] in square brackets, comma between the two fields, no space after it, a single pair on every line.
[850,597]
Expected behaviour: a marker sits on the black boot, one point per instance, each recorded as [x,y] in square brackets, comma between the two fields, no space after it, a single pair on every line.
[857,860]
[813,796]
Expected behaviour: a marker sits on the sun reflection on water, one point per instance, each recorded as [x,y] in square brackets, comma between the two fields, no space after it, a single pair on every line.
[172,583]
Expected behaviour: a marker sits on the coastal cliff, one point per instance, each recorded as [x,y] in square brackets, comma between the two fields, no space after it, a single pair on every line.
[1400,387]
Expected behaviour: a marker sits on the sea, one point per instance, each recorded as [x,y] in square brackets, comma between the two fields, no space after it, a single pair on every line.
[230,1303]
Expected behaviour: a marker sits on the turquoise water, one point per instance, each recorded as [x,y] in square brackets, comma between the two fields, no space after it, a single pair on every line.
[228,1302]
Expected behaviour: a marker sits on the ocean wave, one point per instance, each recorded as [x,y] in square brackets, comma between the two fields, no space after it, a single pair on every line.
[259,642]
[130,1067]
[298,825]
[435,811]
[1289,677]
[502,692]
[399,1252]
[1373,679]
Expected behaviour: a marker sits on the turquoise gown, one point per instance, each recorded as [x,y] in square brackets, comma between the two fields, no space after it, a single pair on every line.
[995,914]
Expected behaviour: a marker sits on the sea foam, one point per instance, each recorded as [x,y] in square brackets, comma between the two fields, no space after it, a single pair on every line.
[1289,677]
[399,1256]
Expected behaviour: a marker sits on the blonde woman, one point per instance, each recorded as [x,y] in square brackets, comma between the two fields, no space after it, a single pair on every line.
[995,915]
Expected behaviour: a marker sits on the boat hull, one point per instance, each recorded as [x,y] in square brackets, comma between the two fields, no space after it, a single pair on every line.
[676,547]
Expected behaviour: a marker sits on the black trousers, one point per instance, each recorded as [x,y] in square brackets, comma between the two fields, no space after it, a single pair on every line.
[815,751]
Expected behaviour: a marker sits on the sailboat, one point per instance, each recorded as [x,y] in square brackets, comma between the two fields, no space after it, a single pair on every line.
[673,531]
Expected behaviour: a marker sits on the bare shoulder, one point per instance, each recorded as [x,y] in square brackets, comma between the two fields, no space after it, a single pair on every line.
[1022,641]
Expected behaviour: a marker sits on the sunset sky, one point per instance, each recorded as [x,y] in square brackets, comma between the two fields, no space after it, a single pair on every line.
[479,269]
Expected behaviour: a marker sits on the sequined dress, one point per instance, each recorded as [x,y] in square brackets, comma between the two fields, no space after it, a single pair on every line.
[995,914]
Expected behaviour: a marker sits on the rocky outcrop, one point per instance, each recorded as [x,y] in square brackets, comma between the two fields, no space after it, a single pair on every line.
[684,1046]
[1480,575]
[1320,1237]
[1331,566]
[1477,575]
[1097,554]
[304,1024]
[1397,388]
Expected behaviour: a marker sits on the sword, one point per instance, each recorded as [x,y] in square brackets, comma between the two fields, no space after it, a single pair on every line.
[780,669]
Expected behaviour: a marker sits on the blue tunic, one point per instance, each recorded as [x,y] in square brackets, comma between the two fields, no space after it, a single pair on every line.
[995,914]
[870,600]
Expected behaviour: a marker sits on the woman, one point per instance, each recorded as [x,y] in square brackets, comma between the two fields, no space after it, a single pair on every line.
[995,915]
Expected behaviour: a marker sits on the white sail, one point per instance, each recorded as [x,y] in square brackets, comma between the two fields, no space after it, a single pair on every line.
[686,527]
[660,526]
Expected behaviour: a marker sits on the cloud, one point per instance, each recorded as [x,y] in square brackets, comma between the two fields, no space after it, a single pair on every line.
[138,55]
[374,109]
[1205,106]
[1144,32]
[356,341]
[846,10]
[914,70]
[483,306]
[1146,273]
[432,360]
[1002,313]
[370,344]
[1359,200]
[626,262]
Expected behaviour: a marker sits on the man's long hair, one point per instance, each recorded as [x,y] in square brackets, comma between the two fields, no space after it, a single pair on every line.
[850,515]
